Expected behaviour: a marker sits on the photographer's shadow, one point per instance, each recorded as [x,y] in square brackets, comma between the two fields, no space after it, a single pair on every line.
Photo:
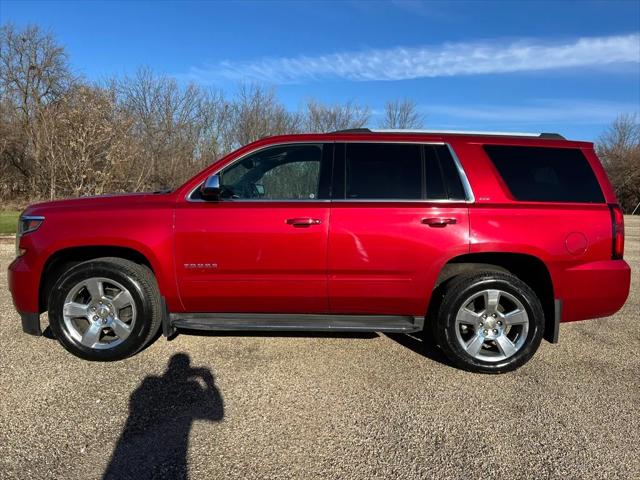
[155,439]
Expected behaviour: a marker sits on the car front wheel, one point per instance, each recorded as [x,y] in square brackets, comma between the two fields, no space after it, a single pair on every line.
[105,309]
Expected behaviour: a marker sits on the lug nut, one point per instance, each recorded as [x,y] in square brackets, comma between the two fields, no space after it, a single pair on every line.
[493,315]
[495,332]
[95,318]
[499,323]
[486,332]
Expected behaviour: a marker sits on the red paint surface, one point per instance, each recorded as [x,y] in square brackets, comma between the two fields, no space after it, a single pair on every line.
[363,257]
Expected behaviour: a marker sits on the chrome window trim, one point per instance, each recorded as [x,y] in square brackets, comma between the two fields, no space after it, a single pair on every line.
[257,200]
[463,177]
[395,200]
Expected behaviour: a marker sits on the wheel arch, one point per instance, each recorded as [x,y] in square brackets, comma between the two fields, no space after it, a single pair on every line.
[63,259]
[530,269]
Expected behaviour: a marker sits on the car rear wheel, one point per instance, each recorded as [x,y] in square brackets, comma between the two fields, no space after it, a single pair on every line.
[489,322]
[105,309]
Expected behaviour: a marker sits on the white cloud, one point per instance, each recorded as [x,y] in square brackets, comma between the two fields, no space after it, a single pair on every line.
[582,112]
[449,59]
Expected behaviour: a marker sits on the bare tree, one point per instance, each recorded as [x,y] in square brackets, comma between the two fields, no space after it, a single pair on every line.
[217,116]
[90,148]
[257,113]
[61,135]
[328,118]
[172,124]
[619,150]
[14,159]
[34,75]
[401,114]
[34,70]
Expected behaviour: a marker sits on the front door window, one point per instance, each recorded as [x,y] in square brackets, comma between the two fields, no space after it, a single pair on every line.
[290,172]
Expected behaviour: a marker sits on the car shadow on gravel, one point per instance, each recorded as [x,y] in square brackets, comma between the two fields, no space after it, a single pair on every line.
[275,334]
[414,342]
[155,439]
[48,333]
[417,343]
[424,346]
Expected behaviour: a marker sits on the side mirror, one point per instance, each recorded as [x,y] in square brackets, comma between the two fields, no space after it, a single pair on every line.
[211,188]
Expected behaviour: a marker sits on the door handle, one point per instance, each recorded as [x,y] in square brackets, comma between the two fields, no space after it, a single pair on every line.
[438,222]
[303,221]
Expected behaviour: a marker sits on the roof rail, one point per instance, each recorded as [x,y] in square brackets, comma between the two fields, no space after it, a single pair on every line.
[353,130]
[545,135]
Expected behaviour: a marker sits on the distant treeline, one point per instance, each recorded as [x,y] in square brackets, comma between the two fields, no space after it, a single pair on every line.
[61,135]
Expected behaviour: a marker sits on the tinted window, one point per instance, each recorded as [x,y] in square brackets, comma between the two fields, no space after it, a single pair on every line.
[443,178]
[546,174]
[435,181]
[290,172]
[383,171]
[455,190]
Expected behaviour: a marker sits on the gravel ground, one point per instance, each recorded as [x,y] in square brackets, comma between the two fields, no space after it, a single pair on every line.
[317,406]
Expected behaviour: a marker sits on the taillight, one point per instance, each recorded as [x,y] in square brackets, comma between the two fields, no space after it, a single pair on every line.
[617,224]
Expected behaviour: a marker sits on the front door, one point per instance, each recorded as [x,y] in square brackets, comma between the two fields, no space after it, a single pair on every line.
[262,247]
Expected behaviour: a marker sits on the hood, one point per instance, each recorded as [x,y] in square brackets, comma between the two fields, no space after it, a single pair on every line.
[119,200]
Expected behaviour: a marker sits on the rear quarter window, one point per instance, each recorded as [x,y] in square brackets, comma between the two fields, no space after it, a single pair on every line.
[449,172]
[543,174]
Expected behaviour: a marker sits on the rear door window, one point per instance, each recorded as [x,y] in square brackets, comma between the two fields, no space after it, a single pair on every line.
[383,171]
[543,174]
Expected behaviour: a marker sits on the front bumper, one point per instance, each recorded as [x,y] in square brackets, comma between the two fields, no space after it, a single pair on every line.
[24,287]
[31,323]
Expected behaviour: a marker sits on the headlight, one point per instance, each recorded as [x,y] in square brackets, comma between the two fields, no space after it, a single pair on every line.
[26,224]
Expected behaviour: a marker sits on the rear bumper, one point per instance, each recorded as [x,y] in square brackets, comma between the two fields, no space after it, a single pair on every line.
[24,286]
[594,289]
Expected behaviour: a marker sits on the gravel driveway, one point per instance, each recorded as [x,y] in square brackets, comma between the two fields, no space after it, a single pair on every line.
[317,406]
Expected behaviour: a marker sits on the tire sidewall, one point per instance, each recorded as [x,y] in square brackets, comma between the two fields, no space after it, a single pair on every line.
[519,290]
[87,270]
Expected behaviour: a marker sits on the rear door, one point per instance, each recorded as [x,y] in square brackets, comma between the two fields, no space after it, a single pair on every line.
[399,212]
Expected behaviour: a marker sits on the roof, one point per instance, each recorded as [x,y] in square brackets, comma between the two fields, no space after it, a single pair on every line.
[550,136]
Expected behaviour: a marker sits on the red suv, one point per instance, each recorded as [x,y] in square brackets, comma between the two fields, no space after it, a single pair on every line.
[486,241]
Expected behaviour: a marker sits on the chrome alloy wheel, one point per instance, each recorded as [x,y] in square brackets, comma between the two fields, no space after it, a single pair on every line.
[492,325]
[99,313]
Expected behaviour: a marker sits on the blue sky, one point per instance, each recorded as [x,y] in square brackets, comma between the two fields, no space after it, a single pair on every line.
[569,67]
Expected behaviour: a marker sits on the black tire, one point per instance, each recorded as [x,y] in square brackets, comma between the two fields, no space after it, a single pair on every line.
[462,287]
[141,284]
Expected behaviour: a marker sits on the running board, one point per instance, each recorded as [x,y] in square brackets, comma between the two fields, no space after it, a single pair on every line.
[296,322]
